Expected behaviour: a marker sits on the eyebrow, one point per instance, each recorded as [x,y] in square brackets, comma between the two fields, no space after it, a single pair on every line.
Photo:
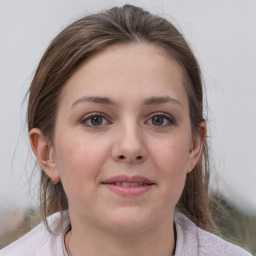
[101,100]
[161,100]
[108,101]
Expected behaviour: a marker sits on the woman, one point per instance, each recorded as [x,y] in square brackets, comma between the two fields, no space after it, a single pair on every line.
[115,120]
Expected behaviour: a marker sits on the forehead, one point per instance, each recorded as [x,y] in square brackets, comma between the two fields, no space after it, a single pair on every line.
[140,69]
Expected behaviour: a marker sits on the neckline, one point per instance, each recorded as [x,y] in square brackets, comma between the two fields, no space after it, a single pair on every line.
[64,233]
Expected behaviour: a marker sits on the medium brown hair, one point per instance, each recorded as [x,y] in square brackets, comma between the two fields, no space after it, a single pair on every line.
[82,39]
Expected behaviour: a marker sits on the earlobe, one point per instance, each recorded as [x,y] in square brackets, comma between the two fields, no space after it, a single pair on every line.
[197,146]
[44,152]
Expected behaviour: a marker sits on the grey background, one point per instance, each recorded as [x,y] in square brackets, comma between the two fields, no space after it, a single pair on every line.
[222,34]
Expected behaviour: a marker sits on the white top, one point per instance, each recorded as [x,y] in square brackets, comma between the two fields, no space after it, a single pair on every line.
[191,241]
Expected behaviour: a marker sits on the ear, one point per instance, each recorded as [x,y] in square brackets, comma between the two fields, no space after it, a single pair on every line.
[196,146]
[44,153]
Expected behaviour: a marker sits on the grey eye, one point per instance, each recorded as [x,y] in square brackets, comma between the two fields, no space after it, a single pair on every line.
[157,120]
[96,120]
[161,120]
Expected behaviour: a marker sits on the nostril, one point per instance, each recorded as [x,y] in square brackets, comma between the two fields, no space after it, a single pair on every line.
[121,157]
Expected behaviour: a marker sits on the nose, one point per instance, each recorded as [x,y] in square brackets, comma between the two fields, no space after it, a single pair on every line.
[129,146]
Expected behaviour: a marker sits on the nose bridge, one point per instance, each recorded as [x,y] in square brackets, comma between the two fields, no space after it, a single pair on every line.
[129,142]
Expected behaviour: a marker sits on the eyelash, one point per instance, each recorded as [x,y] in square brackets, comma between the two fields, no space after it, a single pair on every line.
[89,117]
[166,118]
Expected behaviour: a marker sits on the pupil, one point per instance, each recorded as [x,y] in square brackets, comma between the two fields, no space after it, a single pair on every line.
[96,120]
[158,120]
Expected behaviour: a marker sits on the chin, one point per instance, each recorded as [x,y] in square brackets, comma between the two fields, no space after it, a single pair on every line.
[129,223]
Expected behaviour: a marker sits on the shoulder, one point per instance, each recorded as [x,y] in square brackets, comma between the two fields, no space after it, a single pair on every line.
[210,242]
[193,241]
[39,241]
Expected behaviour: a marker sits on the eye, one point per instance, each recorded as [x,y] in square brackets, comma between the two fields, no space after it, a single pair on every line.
[94,120]
[161,120]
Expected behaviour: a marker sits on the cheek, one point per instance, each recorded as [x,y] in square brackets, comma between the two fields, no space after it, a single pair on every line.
[79,162]
[171,155]
[171,161]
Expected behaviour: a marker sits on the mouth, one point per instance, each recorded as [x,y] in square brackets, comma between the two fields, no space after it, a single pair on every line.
[130,186]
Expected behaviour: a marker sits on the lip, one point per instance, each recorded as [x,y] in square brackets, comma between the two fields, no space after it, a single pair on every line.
[128,191]
[130,179]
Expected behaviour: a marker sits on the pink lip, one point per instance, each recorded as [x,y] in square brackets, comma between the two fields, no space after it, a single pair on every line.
[128,191]
[130,179]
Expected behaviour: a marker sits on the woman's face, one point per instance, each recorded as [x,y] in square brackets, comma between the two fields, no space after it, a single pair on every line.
[123,142]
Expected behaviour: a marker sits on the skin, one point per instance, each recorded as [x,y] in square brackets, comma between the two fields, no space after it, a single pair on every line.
[127,142]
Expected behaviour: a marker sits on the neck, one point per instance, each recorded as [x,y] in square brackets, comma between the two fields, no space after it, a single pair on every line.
[88,240]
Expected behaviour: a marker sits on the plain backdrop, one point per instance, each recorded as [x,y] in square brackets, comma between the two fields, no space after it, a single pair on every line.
[222,34]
